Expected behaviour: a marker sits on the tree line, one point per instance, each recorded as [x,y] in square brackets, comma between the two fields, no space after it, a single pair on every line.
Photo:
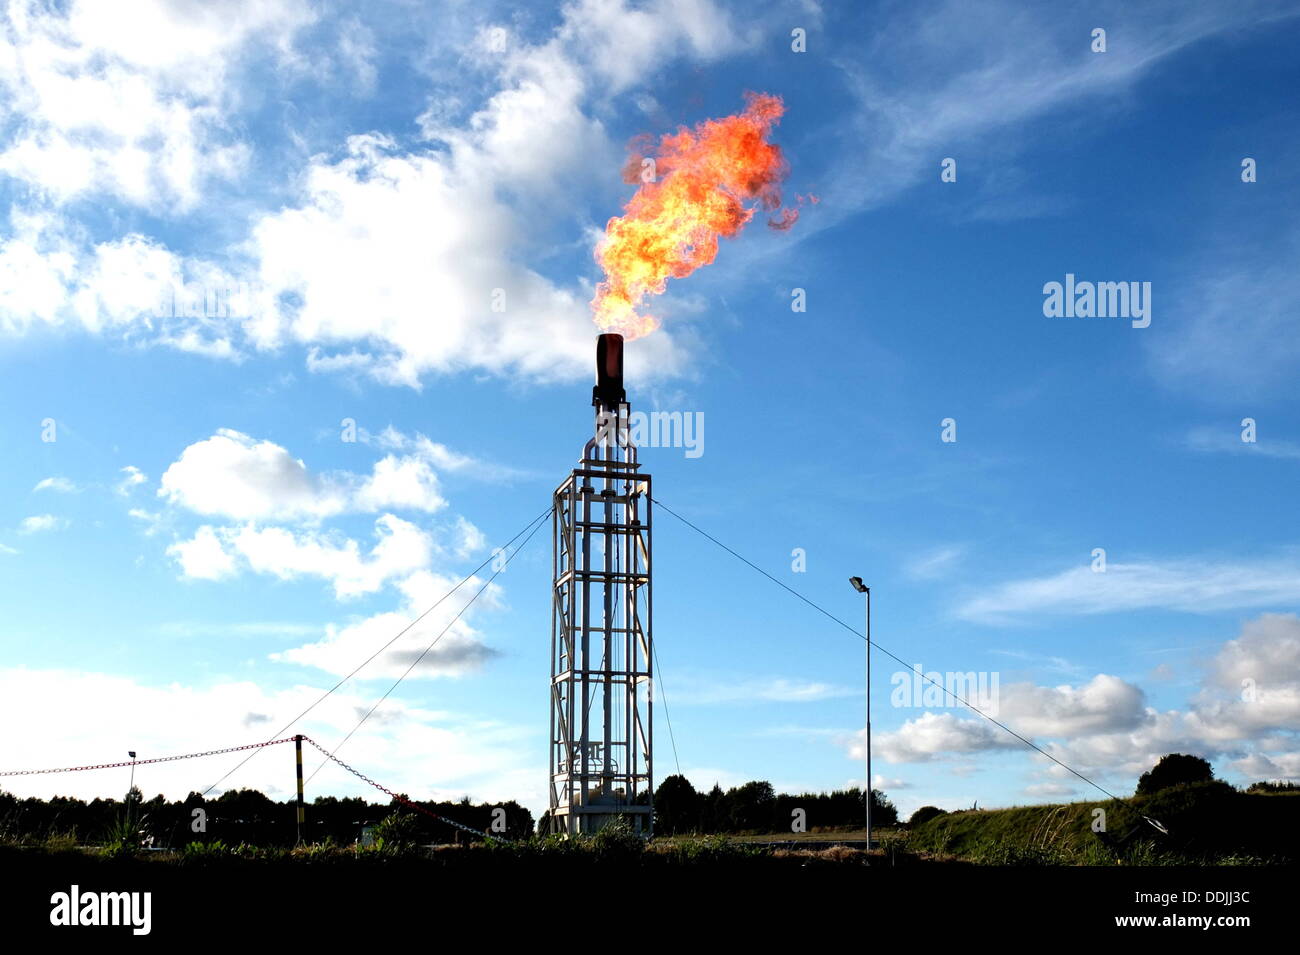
[240,815]
[756,807]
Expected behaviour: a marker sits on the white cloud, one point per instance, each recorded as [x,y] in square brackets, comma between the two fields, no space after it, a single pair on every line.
[233,475]
[132,477]
[1251,727]
[443,641]
[934,563]
[152,520]
[402,549]
[1252,685]
[1188,586]
[625,45]
[40,523]
[935,78]
[694,691]
[401,483]
[439,455]
[73,718]
[36,268]
[1271,767]
[61,484]
[1228,441]
[203,557]
[1103,704]
[393,264]
[1236,336]
[468,539]
[931,735]
[397,264]
[129,98]
[1050,790]
[133,288]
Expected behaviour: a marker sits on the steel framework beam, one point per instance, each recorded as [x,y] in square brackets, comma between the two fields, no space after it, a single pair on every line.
[601,651]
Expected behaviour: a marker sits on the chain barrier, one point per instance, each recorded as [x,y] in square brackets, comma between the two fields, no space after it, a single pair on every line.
[274,742]
[402,799]
[145,762]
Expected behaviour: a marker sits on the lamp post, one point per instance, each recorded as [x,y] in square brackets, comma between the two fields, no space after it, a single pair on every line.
[862,588]
[131,753]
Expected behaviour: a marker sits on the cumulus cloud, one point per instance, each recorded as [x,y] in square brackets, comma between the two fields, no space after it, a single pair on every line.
[1273,767]
[138,113]
[931,735]
[1245,714]
[233,475]
[399,264]
[1252,685]
[623,44]
[389,261]
[401,549]
[442,641]
[203,557]
[1103,704]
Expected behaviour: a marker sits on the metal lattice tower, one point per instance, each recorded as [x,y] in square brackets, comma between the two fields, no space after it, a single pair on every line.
[601,649]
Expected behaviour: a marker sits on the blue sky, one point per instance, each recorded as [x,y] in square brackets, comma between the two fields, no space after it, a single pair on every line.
[200,552]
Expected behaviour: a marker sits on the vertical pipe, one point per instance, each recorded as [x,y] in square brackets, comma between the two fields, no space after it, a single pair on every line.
[572,649]
[868,719]
[297,746]
[555,667]
[649,631]
[609,514]
[584,778]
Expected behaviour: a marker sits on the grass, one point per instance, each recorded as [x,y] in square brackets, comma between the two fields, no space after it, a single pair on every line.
[1208,824]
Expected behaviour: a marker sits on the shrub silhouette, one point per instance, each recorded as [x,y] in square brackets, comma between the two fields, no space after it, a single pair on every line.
[924,814]
[1173,770]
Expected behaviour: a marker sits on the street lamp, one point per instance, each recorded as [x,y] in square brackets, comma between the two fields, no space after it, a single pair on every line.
[131,753]
[862,588]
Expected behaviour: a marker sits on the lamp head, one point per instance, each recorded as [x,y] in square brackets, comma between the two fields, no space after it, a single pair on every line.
[858,585]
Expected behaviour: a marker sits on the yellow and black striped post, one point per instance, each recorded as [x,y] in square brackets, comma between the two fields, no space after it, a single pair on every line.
[297,745]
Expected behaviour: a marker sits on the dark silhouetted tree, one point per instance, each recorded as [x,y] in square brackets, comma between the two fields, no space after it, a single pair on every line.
[751,806]
[1173,770]
[677,806]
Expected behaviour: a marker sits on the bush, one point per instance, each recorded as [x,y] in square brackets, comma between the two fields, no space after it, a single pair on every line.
[397,832]
[617,842]
[1173,770]
[924,814]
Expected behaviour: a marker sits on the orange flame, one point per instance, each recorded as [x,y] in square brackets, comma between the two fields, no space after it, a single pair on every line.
[702,179]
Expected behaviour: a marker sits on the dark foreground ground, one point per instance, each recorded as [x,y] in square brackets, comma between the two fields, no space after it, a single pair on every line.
[476,898]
